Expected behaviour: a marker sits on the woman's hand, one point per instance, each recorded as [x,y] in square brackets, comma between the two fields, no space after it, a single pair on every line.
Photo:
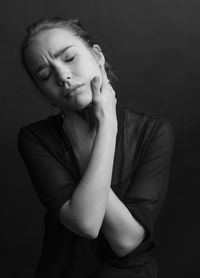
[104,100]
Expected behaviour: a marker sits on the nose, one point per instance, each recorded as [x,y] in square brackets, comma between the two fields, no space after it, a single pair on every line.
[63,76]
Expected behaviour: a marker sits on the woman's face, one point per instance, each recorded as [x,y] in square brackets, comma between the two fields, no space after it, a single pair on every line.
[57,59]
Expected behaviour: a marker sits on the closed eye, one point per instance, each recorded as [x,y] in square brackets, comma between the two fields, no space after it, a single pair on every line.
[45,78]
[69,59]
[65,60]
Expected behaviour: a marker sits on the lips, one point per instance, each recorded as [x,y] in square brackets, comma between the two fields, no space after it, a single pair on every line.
[72,88]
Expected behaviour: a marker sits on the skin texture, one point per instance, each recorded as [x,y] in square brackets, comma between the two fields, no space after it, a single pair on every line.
[90,122]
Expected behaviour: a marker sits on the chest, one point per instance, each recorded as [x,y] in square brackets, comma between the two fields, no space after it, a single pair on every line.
[82,146]
[81,139]
[82,155]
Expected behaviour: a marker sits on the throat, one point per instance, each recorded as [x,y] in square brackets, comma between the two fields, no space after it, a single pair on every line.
[88,116]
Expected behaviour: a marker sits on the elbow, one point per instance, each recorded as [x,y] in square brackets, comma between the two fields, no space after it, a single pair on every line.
[90,230]
[126,249]
[90,233]
[81,229]
[85,232]
[77,225]
[129,245]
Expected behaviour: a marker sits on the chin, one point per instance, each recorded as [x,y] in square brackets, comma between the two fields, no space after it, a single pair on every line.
[82,101]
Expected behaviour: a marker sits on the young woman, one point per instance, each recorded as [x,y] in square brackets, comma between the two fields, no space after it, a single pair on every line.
[100,169]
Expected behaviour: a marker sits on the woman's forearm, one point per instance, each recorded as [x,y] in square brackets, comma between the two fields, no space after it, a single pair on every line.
[87,205]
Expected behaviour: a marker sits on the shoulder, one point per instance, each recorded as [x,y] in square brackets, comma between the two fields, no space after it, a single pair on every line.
[148,127]
[45,130]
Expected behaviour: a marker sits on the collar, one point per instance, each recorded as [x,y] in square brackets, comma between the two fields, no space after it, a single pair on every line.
[120,112]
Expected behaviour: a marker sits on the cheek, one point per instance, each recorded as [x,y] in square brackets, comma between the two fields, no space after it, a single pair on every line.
[49,88]
[89,68]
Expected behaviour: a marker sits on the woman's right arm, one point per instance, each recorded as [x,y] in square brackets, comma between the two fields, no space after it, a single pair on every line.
[84,212]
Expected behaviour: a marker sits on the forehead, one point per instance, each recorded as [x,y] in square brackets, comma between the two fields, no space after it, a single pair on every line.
[47,43]
[53,40]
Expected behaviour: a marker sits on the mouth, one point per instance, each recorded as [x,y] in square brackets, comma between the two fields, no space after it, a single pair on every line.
[72,88]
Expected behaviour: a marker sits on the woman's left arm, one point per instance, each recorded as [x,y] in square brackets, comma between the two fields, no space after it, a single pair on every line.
[129,221]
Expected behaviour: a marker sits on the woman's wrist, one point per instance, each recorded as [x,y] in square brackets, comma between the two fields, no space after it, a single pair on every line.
[108,125]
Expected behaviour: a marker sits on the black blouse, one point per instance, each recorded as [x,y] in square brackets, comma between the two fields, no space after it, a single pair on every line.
[140,178]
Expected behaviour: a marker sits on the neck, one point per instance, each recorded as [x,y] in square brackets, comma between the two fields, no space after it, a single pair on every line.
[85,114]
[88,115]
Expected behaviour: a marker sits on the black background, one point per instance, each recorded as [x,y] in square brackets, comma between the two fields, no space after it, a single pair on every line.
[154,48]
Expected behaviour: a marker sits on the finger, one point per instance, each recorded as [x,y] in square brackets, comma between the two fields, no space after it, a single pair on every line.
[105,81]
[95,86]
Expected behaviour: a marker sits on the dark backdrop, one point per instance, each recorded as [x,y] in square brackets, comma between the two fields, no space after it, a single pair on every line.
[154,50]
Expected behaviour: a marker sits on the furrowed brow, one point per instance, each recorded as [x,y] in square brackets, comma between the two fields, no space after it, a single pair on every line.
[60,52]
[55,55]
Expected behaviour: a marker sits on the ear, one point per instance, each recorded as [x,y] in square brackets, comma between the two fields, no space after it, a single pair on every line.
[98,54]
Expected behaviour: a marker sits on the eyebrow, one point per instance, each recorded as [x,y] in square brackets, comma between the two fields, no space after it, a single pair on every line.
[55,55]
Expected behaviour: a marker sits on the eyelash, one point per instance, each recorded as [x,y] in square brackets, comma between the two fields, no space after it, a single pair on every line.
[70,59]
[66,60]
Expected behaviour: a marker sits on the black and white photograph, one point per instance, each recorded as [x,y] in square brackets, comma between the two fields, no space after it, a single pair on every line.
[100,139]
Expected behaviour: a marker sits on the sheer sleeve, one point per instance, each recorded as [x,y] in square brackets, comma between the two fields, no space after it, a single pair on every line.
[148,187]
[51,180]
